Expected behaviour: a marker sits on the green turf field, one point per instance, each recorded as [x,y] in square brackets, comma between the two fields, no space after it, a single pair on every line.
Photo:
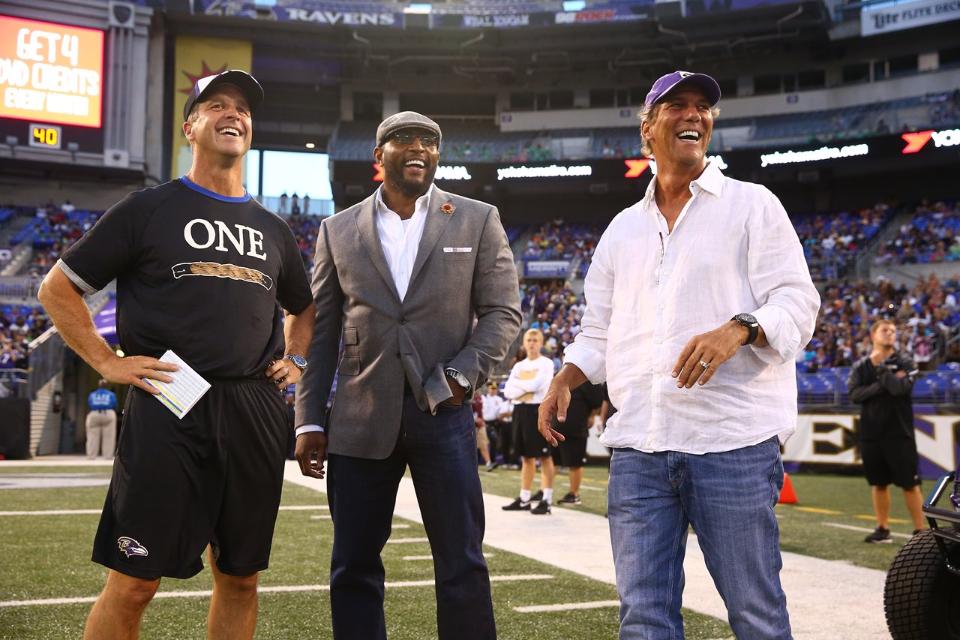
[47,556]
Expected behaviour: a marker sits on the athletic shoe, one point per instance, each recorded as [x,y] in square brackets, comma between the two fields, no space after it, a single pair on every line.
[517,505]
[491,466]
[542,508]
[916,531]
[570,498]
[879,536]
[537,496]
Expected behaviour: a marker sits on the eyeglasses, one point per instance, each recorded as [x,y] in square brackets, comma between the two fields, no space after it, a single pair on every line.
[406,139]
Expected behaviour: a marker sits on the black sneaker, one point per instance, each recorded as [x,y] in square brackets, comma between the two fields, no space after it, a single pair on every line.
[517,505]
[879,536]
[537,496]
[542,508]
[570,498]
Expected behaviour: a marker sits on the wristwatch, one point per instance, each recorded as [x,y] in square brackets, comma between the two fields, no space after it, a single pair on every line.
[460,379]
[750,323]
[298,361]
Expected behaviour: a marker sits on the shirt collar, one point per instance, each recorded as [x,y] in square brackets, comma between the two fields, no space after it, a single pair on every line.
[422,203]
[711,180]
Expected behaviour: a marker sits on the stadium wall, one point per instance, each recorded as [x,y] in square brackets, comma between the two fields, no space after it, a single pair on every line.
[754,106]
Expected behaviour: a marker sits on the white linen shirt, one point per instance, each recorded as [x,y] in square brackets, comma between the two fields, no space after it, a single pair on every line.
[732,250]
[400,240]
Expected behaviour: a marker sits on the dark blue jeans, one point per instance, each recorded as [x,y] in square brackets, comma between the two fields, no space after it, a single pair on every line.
[729,499]
[441,451]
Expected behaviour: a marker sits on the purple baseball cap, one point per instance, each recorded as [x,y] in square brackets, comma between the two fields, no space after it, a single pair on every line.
[679,79]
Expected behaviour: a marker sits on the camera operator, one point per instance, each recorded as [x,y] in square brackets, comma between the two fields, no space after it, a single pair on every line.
[881,384]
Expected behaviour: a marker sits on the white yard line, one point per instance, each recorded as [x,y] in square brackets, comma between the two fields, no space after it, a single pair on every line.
[848,527]
[424,558]
[297,588]
[569,606]
[86,512]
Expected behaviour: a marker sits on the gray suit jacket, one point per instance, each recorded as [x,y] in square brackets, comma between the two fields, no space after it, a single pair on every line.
[464,271]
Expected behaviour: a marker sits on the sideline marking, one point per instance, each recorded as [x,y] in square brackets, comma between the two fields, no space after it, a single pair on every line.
[569,606]
[864,529]
[298,588]
[829,512]
[407,540]
[86,512]
[869,517]
[486,555]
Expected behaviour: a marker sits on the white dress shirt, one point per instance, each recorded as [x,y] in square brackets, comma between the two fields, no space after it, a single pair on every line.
[648,291]
[400,240]
[529,380]
[493,407]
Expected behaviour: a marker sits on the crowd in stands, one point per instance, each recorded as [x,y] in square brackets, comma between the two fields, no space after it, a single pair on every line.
[555,309]
[557,240]
[305,230]
[19,325]
[831,242]
[927,316]
[930,236]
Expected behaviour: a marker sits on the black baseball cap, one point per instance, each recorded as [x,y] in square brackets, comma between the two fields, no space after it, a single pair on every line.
[247,84]
[665,84]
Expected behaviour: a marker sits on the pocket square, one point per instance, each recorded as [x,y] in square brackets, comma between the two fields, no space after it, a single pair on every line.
[457,249]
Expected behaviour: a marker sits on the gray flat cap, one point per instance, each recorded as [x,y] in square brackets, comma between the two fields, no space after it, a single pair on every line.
[404,120]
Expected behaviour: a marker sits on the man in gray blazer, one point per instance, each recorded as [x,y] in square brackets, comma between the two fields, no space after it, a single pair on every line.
[420,287]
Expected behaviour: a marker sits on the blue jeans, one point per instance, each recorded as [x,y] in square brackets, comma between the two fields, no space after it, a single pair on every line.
[728,498]
[441,452]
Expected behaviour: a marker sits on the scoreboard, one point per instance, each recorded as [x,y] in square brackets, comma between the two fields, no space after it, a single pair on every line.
[51,85]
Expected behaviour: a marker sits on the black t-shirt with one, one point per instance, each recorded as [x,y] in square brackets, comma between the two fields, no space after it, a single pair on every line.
[199,273]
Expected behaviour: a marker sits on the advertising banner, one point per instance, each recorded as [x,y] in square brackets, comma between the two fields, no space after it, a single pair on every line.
[546,268]
[831,440]
[51,73]
[196,58]
[906,15]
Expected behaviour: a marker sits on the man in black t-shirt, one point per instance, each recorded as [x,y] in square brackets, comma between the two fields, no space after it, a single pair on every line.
[203,271]
[882,383]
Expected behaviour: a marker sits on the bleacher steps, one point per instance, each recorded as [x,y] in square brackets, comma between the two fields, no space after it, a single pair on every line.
[44,423]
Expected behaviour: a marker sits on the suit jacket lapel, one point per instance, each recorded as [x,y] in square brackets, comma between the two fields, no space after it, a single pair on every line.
[433,228]
[367,228]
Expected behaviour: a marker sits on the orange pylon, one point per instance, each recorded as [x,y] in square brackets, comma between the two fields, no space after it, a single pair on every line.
[787,494]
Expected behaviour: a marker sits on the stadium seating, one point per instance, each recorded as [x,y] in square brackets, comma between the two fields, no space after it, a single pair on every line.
[931,236]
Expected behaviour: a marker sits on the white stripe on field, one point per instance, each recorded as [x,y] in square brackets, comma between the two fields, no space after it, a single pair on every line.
[86,512]
[394,526]
[486,555]
[407,540]
[848,527]
[298,588]
[569,606]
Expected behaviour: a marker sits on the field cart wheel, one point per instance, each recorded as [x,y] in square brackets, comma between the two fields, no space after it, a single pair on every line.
[921,597]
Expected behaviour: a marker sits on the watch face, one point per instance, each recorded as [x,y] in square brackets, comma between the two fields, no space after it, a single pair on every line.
[746,318]
[300,361]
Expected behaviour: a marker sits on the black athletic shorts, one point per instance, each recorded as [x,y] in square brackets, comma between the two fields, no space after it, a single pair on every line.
[890,461]
[213,477]
[529,443]
[573,451]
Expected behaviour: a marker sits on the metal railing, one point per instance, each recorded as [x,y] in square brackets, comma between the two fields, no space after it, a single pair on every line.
[46,360]
[14,383]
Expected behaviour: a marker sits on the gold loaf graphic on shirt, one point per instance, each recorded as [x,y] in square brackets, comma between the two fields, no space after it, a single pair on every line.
[218,270]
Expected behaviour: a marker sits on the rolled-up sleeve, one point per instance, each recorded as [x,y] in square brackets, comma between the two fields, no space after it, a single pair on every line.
[588,352]
[780,281]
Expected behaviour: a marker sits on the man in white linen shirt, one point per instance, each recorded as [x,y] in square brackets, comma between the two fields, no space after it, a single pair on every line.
[698,300]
